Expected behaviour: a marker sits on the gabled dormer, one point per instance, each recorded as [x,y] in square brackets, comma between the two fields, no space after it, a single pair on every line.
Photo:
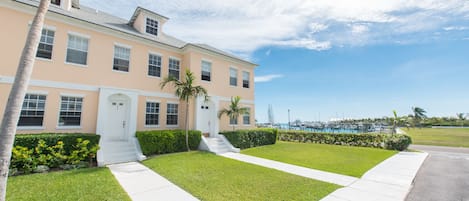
[147,22]
[66,4]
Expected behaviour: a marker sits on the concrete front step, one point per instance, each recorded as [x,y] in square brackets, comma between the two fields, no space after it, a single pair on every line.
[119,152]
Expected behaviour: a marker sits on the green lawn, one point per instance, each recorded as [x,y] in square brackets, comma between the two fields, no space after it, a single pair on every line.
[352,161]
[455,137]
[214,178]
[94,184]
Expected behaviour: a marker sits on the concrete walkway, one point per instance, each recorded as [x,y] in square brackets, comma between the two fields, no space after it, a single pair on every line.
[339,179]
[143,184]
[390,180]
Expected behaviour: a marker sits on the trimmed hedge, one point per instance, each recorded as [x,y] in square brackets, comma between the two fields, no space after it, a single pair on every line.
[30,141]
[244,139]
[167,141]
[384,141]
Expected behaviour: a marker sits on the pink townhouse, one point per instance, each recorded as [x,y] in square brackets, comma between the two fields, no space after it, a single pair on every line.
[98,73]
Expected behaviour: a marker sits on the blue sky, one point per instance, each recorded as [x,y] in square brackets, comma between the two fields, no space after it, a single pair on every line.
[324,59]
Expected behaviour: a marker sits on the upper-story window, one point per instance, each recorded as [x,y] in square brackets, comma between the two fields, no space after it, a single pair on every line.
[77,49]
[233,77]
[206,71]
[174,68]
[56,2]
[32,111]
[70,111]
[46,44]
[154,65]
[121,58]
[152,27]
[245,79]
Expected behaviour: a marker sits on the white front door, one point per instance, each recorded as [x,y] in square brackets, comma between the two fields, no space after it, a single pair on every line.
[118,123]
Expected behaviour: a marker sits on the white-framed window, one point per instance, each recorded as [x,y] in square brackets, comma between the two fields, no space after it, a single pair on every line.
[174,67]
[246,79]
[32,111]
[233,121]
[154,65]
[152,114]
[55,2]
[121,58]
[77,49]
[46,44]
[206,73]
[70,111]
[152,27]
[233,77]
[172,114]
[247,117]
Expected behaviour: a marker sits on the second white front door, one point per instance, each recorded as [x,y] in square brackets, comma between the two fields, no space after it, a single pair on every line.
[118,122]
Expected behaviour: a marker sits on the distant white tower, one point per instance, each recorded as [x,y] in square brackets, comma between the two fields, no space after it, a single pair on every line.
[271,115]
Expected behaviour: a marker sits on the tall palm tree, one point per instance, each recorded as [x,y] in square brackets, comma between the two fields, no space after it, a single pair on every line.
[185,91]
[395,121]
[462,117]
[234,110]
[17,93]
[419,114]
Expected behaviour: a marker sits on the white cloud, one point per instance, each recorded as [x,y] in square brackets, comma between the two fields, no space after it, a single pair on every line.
[455,28]
[267,78]
[245,26]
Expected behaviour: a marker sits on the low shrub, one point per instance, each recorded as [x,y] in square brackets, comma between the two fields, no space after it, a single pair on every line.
[43,157]
[385,141]
[69,140]
[167,141]
[244,139]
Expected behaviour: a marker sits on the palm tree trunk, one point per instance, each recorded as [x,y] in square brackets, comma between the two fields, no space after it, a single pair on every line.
[187,126]
[18,91]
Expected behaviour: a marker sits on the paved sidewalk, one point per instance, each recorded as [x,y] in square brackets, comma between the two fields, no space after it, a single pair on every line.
[339,179]
[143,184]
[390,180]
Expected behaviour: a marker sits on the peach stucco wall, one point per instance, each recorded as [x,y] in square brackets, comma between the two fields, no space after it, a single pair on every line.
[99,73]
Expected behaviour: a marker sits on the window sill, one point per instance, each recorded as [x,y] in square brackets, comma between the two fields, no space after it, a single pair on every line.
[30,127]
[119,71]
[77,65]
[68,127]
[151,126]
[172,126]
[154,77]
[43,59]
[246,125]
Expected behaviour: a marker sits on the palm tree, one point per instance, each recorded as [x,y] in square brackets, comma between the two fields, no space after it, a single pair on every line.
[395,121]
[17,93]
[419,114]
[186,90]
[234,110]
[462,117]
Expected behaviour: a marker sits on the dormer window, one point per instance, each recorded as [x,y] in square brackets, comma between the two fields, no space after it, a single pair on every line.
[56,2]
[152,27]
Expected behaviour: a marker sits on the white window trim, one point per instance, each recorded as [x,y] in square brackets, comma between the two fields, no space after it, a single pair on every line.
[201,70]
[114,56]
[87,51]
[145,125]
[249,79]
[44,59]
[31,127]
[38,92]
[157,30]
[237,77]
[45,26]
[171,125]
[79,35]
[59,127]
[161,67]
